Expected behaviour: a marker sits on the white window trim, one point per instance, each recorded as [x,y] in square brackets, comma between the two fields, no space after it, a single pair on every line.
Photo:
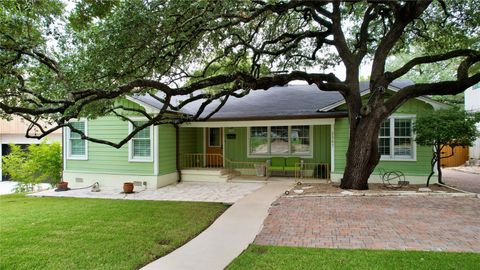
[131,158]
[392,156]
[68,144]
[289,154]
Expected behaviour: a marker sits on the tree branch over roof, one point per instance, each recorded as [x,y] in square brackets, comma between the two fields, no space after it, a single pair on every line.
[430,59]
[213,50]
[436,88]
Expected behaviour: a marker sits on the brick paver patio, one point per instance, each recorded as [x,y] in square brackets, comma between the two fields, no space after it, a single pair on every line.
[404,223]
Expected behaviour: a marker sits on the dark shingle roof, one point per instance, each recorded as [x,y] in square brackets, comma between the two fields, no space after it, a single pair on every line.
[290,101]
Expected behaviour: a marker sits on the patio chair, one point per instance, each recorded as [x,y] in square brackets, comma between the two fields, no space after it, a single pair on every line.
[276,164]
[291,164]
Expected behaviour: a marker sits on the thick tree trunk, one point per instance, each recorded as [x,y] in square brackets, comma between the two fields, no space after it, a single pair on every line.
[362,155]
[439,164]
[432,166]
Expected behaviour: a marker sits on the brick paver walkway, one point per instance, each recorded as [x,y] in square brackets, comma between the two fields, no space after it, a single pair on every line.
[404,223]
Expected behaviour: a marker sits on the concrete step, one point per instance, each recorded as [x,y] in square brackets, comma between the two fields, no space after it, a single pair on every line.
[205,175]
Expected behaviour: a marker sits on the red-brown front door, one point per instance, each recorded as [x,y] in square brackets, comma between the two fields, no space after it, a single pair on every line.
[214,147]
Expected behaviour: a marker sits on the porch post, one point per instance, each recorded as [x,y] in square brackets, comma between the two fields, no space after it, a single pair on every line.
[332,146]
[177,152]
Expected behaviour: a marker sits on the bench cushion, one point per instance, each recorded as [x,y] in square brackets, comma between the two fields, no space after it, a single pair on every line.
[275,168]
[292,161]
[277,162]
[286,168]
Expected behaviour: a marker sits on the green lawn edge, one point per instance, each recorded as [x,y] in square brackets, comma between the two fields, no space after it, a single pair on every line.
[74,233]
[276,257]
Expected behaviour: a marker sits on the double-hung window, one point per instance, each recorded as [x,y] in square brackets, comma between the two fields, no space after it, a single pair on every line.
[280,141]
[140,147]
[259,141]
[300,140]
[396,140]
[76,146]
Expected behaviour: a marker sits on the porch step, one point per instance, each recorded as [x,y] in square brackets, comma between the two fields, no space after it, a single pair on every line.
[205,175]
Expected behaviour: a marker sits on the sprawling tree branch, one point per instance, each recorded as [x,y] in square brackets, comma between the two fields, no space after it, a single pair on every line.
[168,113]
[221,47]
[407,14]
[429,59]
[436,88]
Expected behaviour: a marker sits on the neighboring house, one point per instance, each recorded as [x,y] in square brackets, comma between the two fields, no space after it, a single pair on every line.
[472,103]
[13,132]
[290,121]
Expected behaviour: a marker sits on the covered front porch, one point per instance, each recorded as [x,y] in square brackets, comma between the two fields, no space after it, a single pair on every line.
[300,149]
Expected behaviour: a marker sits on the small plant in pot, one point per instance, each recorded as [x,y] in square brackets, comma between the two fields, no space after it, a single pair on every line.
[128,187]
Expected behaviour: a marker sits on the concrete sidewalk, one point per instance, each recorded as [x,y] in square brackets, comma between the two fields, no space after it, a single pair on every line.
[185,191]
[228,236]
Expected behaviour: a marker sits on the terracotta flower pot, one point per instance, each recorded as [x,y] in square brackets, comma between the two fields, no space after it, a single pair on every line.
[62,185]
[128,187]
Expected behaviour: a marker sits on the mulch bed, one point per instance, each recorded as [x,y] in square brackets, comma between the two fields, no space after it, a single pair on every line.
[321,188]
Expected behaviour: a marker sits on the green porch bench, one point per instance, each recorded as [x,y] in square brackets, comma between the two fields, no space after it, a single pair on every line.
[282,164]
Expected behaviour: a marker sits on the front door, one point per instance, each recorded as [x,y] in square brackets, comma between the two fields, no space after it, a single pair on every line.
[214,147]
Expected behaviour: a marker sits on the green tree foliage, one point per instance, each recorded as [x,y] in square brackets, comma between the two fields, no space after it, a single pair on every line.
[58,66]
[40,163]
[448,127]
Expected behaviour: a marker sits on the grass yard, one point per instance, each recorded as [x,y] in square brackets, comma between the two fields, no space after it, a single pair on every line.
[68,233]
[269,257]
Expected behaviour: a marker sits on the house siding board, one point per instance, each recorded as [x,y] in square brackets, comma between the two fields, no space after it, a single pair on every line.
[420,167]
[129,105]
[200,140]
[166,149]
[188,137]
[236,149]
[107,159]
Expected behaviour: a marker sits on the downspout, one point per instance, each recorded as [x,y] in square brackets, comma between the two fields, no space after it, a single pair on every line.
[177,153]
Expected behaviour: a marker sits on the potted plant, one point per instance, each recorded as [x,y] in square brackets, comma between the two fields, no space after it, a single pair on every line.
[128,187]
[62,185]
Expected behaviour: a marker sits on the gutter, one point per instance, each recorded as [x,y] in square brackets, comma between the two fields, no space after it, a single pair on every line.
[338,114]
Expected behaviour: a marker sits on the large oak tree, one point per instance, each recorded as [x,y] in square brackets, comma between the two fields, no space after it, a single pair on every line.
[59,66]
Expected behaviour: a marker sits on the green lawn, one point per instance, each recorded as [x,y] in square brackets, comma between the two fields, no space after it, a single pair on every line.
[68,233]
[268,257]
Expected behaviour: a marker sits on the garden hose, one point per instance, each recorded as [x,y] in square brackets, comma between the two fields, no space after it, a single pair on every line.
[94,184]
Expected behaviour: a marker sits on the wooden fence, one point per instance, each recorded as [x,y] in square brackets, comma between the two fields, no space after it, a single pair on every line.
[460,156]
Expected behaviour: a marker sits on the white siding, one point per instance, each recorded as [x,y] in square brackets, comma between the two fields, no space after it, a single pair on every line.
[472,103]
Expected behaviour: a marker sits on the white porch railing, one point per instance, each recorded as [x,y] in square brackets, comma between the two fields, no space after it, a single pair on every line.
[200,160]
[312,171]
[301,172]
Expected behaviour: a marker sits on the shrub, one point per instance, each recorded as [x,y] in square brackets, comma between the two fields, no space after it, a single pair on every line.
[40,163]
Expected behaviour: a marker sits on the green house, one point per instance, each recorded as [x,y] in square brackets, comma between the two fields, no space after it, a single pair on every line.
[295,131]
